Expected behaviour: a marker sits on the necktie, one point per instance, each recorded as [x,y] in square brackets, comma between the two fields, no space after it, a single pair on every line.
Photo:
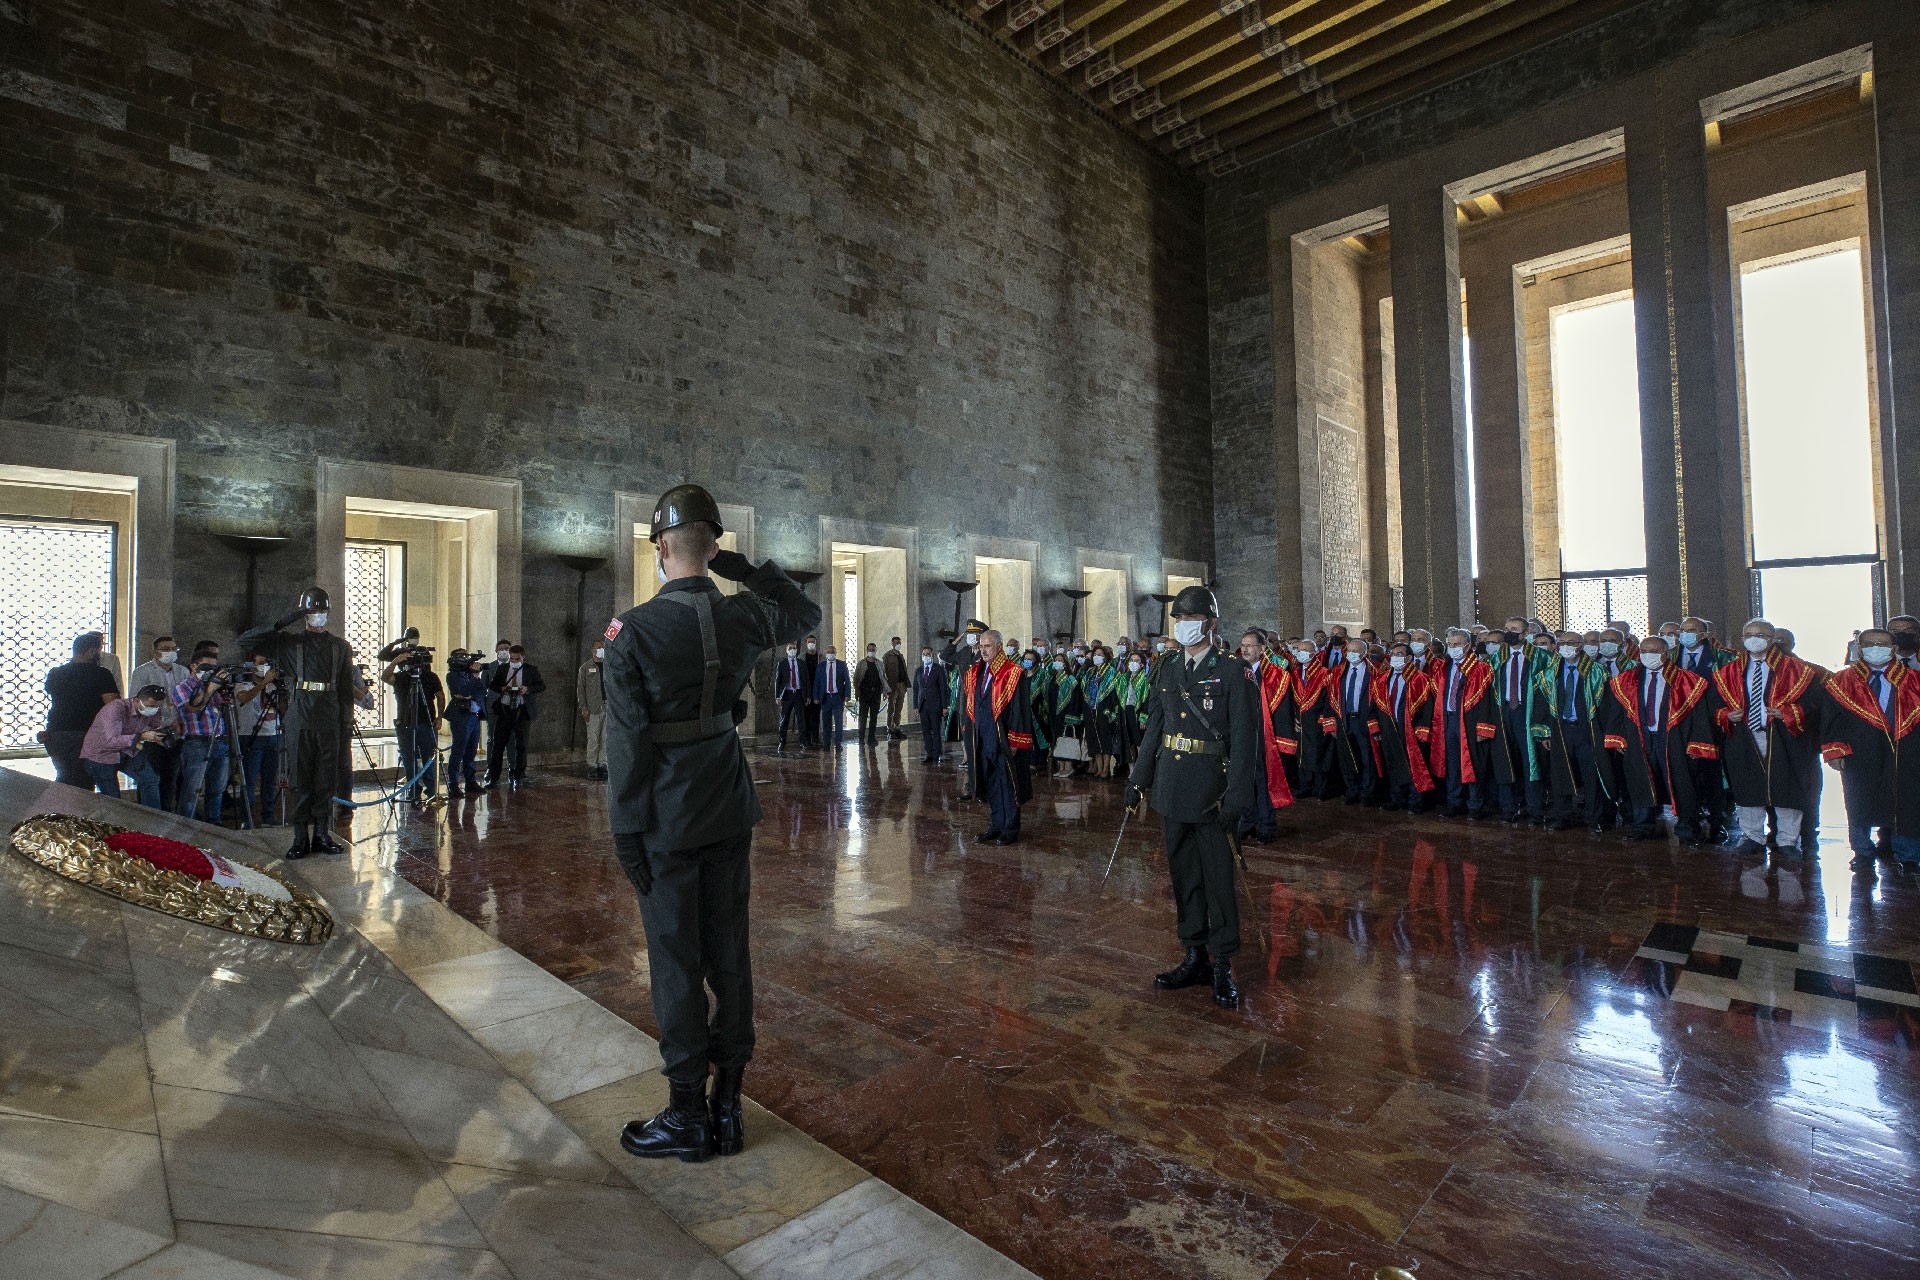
[1757,695]
[1513,677]
[1453,690]
[1399,687]
[1883,692]
[831,687]
[1571,709]
[1650,704]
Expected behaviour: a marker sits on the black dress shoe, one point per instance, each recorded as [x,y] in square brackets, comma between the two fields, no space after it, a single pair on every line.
[1190,972]
[1748,849]
[729,1120]
[453,791]
[1225,994]
[1006,837]
[988,837]
[1645,831]
[683,1130]
[323,841]
[1595,829]
[302,842]
[1561,824]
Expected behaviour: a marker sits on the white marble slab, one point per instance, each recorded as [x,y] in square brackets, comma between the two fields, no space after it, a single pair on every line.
[189,1262]
[872,1232]
[308,1255]
[39,1238]
[492,987]
[570,1049]
[108,1172]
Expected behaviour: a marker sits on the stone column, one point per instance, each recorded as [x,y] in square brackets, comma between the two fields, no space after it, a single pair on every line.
[1695,562]
[1431,408]
[1896,108]
[1501,448]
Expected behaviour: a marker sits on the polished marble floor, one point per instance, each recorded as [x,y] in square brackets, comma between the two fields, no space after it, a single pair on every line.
[1450,1059]
[409,1101]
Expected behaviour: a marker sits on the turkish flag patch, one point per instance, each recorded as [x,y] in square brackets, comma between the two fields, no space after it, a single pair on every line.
[613,628]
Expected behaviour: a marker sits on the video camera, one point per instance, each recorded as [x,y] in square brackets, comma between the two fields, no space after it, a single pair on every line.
[408,655]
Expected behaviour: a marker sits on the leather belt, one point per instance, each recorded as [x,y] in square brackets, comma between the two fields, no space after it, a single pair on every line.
[314,686]
[1197,746]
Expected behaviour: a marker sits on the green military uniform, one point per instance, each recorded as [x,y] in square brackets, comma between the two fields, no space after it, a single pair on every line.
[1200,761]
[681,804]
[317,675]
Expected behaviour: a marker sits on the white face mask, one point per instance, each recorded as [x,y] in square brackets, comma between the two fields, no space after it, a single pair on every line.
[1418,646]
[1591,650]
[926,659]
[261,668]
[1160,646]
[1099,659]
[831,655]
[1456,651]
[811,646]
[1688,639]
[1609,648]
[599,654]
[502,654]
[1058,665]
[169,656]
[973,641]
[870,653]
[1877,655]
[791,651]
[1133,666]
[1756,644]
[317,619]
[1653,661]
[660,571]
[1568,650]
[1040,649]
[517,664]
[149,711]
[1303,655]
[1398,662]
[1354,659]
[896,646]
[1190,631]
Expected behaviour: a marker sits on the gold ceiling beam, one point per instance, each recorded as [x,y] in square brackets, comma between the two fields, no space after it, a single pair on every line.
[1237,42]
[1279,52]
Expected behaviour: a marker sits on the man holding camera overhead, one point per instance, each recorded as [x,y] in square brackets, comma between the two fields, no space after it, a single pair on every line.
[317,673]
[202,700]
[419,701]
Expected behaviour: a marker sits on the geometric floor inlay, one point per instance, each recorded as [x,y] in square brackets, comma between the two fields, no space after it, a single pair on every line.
[1804,984]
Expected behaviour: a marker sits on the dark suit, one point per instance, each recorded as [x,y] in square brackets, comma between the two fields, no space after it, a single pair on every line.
[830,692]
[810,725]
[512,720]
[678,779]
[792,695]
[930,704]
[1203,786]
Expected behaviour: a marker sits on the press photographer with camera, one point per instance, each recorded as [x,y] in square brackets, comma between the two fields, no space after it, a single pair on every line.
[466,712]
[165,669]
[258,704]
[419,702]
[516,690]
[201,701]
[319,677]
[122,738]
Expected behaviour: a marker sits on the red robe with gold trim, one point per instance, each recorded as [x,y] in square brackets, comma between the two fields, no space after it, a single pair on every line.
[1312,724]
[1471,743]
[1651,777]
[1012,723]
[1399,743]
[1784,776]
[1276,693]
[1879,768]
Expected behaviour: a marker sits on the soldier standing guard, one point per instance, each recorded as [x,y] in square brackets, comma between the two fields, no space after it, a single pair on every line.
[1200,757]
[317,675]
[681,804]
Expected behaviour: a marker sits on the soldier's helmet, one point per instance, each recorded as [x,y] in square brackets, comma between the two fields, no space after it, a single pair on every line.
[685,504]
[1195,600]
[313,600]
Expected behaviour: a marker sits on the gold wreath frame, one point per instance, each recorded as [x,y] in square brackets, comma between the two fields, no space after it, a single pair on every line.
[76,849]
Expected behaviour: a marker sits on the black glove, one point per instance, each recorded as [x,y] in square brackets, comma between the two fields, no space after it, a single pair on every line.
[283,623]
[1136,798]
[1230,817]
[633,861]
[731,565]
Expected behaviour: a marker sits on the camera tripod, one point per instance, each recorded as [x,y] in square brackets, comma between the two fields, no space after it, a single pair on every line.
[420,712]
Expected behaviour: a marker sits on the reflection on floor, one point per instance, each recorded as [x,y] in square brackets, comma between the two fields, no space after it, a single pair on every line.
[1449,1056]
[409,1101]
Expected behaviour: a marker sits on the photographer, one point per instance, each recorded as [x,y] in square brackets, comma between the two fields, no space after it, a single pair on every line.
[201,700]
[419,701]
[466,712]
[76,691]
[120,740]
[166,670]
[516,690]
[258,703]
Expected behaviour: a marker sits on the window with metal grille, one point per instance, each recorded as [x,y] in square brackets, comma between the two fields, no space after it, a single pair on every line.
[376,590]
[850,622]
[58,583]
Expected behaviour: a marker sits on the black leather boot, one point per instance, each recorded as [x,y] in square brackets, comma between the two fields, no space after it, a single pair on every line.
[683,1129]
[1225,994]
[323,841]
[302,842]
[1190,972]
[729,1123]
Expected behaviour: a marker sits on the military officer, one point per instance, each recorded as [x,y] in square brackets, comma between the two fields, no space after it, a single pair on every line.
[1200,757]
[317,675]
[681,805]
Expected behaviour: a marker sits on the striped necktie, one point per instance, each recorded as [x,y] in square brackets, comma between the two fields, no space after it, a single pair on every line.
[1757,695]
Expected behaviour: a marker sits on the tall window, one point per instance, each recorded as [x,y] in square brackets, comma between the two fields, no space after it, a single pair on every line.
[376,592]
[850,620]
[1596,418]
[58,583]
[1810,446]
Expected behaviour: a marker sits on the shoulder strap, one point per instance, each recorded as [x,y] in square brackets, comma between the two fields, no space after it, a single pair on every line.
[709,724]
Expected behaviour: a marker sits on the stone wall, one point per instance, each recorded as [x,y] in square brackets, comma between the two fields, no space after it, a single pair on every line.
[846,261]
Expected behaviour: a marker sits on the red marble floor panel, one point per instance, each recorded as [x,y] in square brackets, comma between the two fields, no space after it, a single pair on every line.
[1447,1059]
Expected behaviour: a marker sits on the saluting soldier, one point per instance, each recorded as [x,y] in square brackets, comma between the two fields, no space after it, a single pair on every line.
[682,808]
[317,675]
[1200,758]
